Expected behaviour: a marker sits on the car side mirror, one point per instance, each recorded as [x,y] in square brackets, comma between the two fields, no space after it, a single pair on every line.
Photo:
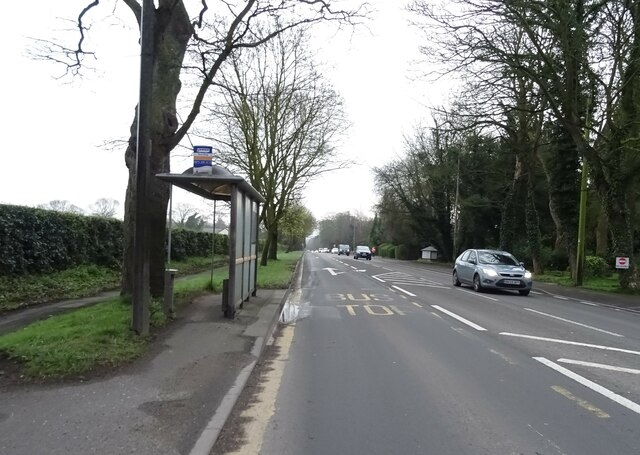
[522,264]
[472,261]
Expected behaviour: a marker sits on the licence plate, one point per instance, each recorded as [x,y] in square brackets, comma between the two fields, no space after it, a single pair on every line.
[511,281]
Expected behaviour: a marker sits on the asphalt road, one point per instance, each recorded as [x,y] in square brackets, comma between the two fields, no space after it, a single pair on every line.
[388,357]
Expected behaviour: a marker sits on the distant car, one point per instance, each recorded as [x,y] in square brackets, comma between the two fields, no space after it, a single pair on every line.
[362,252]
[334,250]
[344,249]
[491,269]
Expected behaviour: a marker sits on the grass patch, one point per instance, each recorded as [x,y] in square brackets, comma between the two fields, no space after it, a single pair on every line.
[83,281]
[100,336]
[278,274]
[79,341]
[86,280]
[602,284]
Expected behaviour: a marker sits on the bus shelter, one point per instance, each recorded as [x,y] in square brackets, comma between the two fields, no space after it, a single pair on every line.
[244,199]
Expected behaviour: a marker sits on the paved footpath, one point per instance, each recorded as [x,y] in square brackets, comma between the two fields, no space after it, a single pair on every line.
[173,401]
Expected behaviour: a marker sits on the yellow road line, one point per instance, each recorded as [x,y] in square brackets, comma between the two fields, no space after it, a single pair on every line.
[580,402]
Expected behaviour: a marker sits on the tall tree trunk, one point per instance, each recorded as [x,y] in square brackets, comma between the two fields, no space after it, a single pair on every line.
[533,228]
[602,234]
[273,245]
[171,35]
[617,211]
[508,217]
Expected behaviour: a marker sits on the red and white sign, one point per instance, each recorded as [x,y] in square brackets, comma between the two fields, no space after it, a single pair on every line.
[622,263]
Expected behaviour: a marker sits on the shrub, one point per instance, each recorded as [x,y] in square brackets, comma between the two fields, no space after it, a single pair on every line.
[402,252]
[559,260]
[387,250]
[596,267]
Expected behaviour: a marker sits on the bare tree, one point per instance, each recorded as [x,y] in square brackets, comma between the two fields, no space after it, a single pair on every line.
[207,39]
[181,214]
[279,122]
[61,206]
[105,207]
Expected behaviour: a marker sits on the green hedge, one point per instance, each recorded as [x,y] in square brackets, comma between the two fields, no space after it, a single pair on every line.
[35,241]
[402,252]
[185,243]
[387,250]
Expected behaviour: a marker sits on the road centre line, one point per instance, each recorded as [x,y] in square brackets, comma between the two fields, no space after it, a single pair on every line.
[417,304]
[599,365]
[459,318]
[478,295]
[380,280]
[402,290]
[572,343]
[635,407]
[574,322]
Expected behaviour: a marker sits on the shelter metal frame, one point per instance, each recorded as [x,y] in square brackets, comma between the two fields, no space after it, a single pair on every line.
[245,202]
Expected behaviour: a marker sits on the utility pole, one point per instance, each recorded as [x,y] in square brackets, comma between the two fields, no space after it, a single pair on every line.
[140,317]
[582,217]
[457,217]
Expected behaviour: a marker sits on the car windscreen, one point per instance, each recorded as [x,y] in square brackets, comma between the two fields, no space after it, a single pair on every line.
[495,258]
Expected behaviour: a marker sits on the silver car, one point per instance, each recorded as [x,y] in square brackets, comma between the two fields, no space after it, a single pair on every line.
[491,269]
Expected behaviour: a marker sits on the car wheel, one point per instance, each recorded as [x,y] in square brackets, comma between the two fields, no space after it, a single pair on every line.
[456,281]
[524,292]
[355,257]
[476,283]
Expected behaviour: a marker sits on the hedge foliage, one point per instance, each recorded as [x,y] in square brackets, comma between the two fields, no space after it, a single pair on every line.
[36,241]
[387,250]
[185,243]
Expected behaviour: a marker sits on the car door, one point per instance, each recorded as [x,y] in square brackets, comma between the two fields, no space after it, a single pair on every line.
[462,266]
[470,266]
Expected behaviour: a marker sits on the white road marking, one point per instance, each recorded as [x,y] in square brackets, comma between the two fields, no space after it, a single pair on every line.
[397,310]
[402,290]
[560,297]
[635,407]
[417,304]
[332,271]
[572,343]
[589,303]
[478,295]
[376,278]
[599,365]
[575,323]
[536,292]
[459,318]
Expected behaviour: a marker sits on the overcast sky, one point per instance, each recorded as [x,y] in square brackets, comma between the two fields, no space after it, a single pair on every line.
[55,129]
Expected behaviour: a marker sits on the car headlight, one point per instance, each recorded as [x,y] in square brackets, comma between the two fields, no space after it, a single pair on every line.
[490,272]
[527,275]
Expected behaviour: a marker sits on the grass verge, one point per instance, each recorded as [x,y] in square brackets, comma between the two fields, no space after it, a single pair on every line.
[82,281]
[602,284]
[78,342]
